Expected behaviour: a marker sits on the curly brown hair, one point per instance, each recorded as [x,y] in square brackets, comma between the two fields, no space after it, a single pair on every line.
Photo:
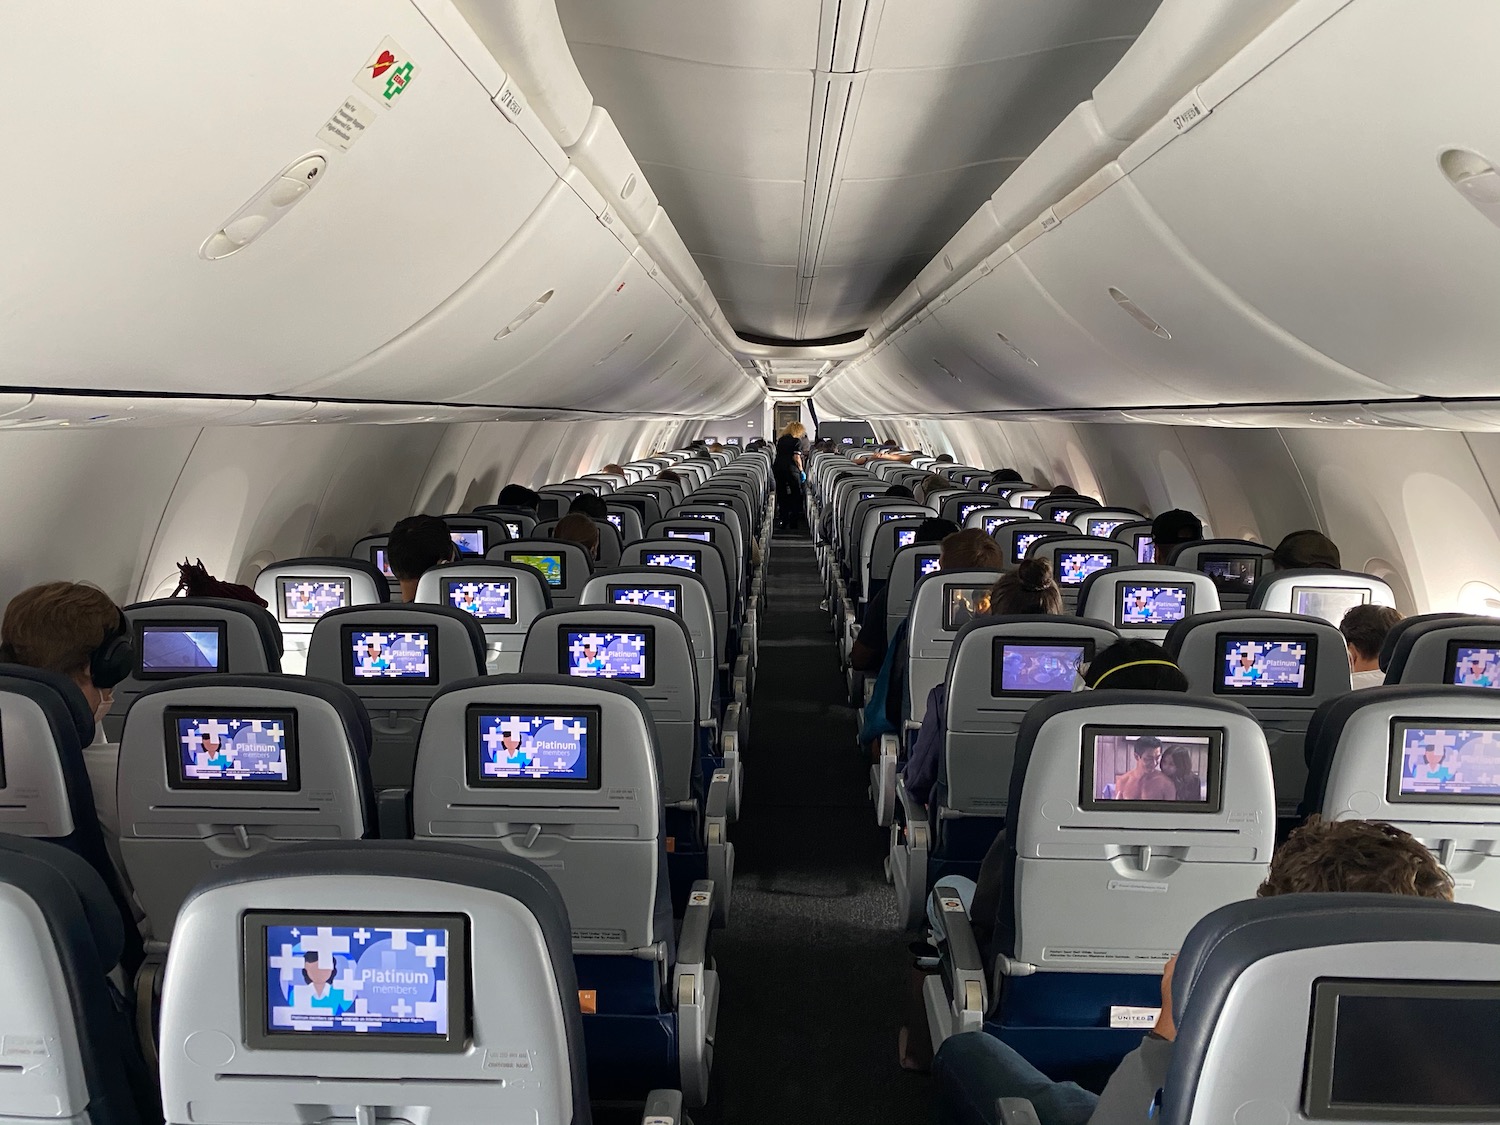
[1355,855]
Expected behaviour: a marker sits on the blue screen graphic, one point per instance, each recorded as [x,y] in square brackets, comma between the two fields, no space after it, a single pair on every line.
[224,748]
[539,747]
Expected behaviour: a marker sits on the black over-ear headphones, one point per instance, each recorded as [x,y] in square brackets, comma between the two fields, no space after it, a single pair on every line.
[114,659]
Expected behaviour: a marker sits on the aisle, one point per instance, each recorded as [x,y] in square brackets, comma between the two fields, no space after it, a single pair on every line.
[813,966]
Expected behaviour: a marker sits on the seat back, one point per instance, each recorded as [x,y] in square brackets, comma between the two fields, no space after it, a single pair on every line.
[1146,601]
[647,650]
[1061,509]
[1235,565]
[675,554]
[1137,533]
[1362,1008]
[564,564]
[997,669]
[1027,498]
[876,515]
[1281,667]
[432,981]
[909,566]
[723,538]
[214,770]
[1109,860]
[1444,648]
[653,495]
[562,773]
[375,549]
[889,537]
[724,505]
[627,521]
[1075,557]
[475,533]
[1019,536]
[1325,594]
[300,591]
[944,602]
[1102,522]
[177,637]
[395,657]
[1425,758]
[504,598]
[519,522]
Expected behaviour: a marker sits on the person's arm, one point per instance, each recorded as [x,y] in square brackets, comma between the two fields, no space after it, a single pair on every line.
[926,756]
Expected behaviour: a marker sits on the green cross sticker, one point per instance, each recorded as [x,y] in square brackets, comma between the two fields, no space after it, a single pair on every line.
[397,81]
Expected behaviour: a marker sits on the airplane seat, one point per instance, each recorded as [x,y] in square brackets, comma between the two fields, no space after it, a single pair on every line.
[627,521]
[611,543]
[475,533]
[1425,758]
[1019,536]
[709,565]
[1137,533]
[1146,601]
[394,658]
[564,564]
[1280,666]
[458,961]
[1234,565]
[1443,648]
[1326,594]
[519,522]
[890,536]
[534,767]
[657,496]
[997,668]
[1108,862]
[193,636]
[1028,498]
[374,549]
[64,1025]
[504,598]
[1102,522]
[1075,557]
[45,724]
[299,591]
[1061,509]
[650,651]
[719,538]
[909,565]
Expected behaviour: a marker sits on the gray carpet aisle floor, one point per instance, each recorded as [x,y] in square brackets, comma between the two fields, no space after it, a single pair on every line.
[813,966]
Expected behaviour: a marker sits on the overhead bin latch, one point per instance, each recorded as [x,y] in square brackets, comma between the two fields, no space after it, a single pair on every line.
[266,208]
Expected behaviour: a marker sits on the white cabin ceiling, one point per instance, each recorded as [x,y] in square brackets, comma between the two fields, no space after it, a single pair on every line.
[815,156]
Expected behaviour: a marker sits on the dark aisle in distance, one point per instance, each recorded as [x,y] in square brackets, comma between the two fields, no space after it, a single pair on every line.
[812,963]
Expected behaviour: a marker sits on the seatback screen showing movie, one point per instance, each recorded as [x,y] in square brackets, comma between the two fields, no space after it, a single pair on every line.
[604,654]
[1231,574]
[1152,606]
[1140,769]
[905,537]
[1265,665]
[927,564]
[489,599]
[1361,1064]
[655,597]
[961,604]
[248,748]
[166,650]
[382,561]
[617,521]
[1074,566]
[1329,603]
[699,536]
[1471,665]
[1445,761]
[1103,528]
[407,655]
[682,560]
[336,981]
[1020,543]
[553,566]
[469,540]
[307,599]
[1145,549]
[1037,667]
[533,748]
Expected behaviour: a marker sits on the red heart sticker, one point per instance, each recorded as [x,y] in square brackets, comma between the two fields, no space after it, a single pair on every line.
[382,64]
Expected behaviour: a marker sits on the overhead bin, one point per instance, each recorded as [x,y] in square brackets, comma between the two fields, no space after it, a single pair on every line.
[606,159]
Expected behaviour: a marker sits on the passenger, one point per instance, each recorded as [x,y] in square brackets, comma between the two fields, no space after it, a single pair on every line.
[590,505]
[417,544]
[1365,628]
[614,470]
[1062,490]
[1135,664]
[715,447]
[899,492]
[1007,476]
[519,496]
[1306,550]
[1172,528]
[60,627]
[577,527]
[868,652]
[930,486]
[1146,781]
[944,458]
[1177,763]
[789,472]
[974,1070]
[669,475]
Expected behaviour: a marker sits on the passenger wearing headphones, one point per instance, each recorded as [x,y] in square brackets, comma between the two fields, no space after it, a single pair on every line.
[416,545]
[77,631]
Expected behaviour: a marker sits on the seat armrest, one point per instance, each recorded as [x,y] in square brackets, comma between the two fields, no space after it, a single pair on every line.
[692,941]
[1015,1111]
[910,846]
[961,965]
[716,844]
[883,781]
[393,814]
[663,1107]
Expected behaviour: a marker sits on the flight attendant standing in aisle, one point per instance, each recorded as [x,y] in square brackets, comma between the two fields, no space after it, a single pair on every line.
[789,474]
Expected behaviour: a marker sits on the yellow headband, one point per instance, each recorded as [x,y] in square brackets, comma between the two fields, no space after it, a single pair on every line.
[1133,664]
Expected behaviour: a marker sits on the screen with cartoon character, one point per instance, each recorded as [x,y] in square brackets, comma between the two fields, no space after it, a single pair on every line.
[609,655]
[1439,761]
[961,604]
[1328,602]
[1074,566]
[307,599]
[927,564]
[167,650]
[966,510]
[699,536]
[1473,666]
[1258,665]
[905,537]
[248,748]
[1021,541]
[1151,607]
[469,540]
[1103,528]
[1037,667]
[993,524]
[519,747]
[656,597]
[390,654]
[331,981]
[490,599]
[682,560]
[1146,770]
[1062,515]
[551,566]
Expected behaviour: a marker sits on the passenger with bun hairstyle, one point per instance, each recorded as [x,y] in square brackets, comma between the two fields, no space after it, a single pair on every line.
[1030,588]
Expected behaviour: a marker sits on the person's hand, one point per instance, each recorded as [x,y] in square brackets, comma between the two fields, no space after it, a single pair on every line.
[1165,1028]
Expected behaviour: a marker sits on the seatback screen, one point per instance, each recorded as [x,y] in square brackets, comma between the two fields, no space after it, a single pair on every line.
[1232,574]
[961,604]
[515,529]
[712,517]
[1471,665]
[656,597]
[554,567]
[682,560]
[1020,543]
[700,536]
[887,517]
[1445,761]
[408,655]
[617,520]
[905,537]
[381,559]
[927,564]
[1144,769]
[1074,566]
[966,510]
[1328,602]
[533,748]
[1062,515]
[489,599]
[1103,528]
[1265,665]
[610,655]
[166,650]
[307,599]
[1145,548]
[468,540]
[1029,502]
[356,981]
[1037,667]
[247,748]
[993,524]
[1152,606]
